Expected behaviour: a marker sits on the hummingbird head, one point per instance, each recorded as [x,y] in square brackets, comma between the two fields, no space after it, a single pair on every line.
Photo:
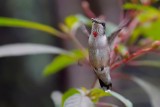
[98,27]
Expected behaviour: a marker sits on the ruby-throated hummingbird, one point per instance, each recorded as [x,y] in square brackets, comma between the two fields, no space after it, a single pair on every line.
[99,52]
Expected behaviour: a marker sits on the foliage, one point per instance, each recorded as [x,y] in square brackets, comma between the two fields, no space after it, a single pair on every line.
[148,19]
[11,22]
[63,61]
[20,49]
[144,23]
[68,94]
[70,98]
[96,94]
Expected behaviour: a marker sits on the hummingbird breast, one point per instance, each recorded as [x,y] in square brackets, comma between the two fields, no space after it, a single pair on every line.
[99,52]
[99,58]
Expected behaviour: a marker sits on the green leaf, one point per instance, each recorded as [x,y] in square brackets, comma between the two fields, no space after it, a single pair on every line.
[149,22]
[21,49]
[137,7]
[122,49]
[58,64]
[73,21]
[132,6]
[135,35]
[68,94]
[11,22]
[151,30]
[83,98]
[63,61]
[126,102]
[78,100]
[147,13]
[96,93]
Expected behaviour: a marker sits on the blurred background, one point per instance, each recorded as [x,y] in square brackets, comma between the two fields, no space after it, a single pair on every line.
[21,81]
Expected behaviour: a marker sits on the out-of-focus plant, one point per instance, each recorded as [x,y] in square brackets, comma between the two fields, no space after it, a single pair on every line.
[144,23]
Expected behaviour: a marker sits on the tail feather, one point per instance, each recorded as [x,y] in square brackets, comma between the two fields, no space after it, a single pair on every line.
[105,86]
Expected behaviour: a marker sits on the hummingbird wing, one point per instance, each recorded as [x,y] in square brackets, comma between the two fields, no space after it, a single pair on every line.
[111,39]
[84,30]
[113,36]
[123,24]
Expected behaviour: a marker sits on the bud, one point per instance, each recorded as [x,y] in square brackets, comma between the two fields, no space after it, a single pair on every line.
[156,44]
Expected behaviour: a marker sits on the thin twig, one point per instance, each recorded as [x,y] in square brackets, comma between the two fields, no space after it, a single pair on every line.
[94,83]
[136,54]
[78,44]
[131,57]
[87,10]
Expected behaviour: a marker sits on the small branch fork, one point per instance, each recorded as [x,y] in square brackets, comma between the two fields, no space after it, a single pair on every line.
[138,53]
[87,10]
[154,46]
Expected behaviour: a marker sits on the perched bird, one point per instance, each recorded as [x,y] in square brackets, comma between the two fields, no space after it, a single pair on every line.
[99,47]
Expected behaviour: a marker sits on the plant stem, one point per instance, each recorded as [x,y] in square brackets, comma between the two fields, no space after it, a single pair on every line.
[78,44]
[87,10]
[94,83]
[131,57]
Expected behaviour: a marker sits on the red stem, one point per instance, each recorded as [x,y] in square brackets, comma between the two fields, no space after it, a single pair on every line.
[132,56]
[87,10]
[94,83]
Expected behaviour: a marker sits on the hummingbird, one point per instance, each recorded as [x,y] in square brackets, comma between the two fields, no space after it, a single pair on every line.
[100,48]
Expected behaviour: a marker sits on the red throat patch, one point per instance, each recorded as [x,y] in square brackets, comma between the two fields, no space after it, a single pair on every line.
[95,34]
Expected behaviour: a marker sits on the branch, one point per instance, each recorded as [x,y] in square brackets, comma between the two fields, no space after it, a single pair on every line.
[154,46]
[87,10]
[94,83]
[145,63]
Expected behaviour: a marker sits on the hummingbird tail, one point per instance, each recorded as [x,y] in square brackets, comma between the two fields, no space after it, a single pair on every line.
[105,86]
